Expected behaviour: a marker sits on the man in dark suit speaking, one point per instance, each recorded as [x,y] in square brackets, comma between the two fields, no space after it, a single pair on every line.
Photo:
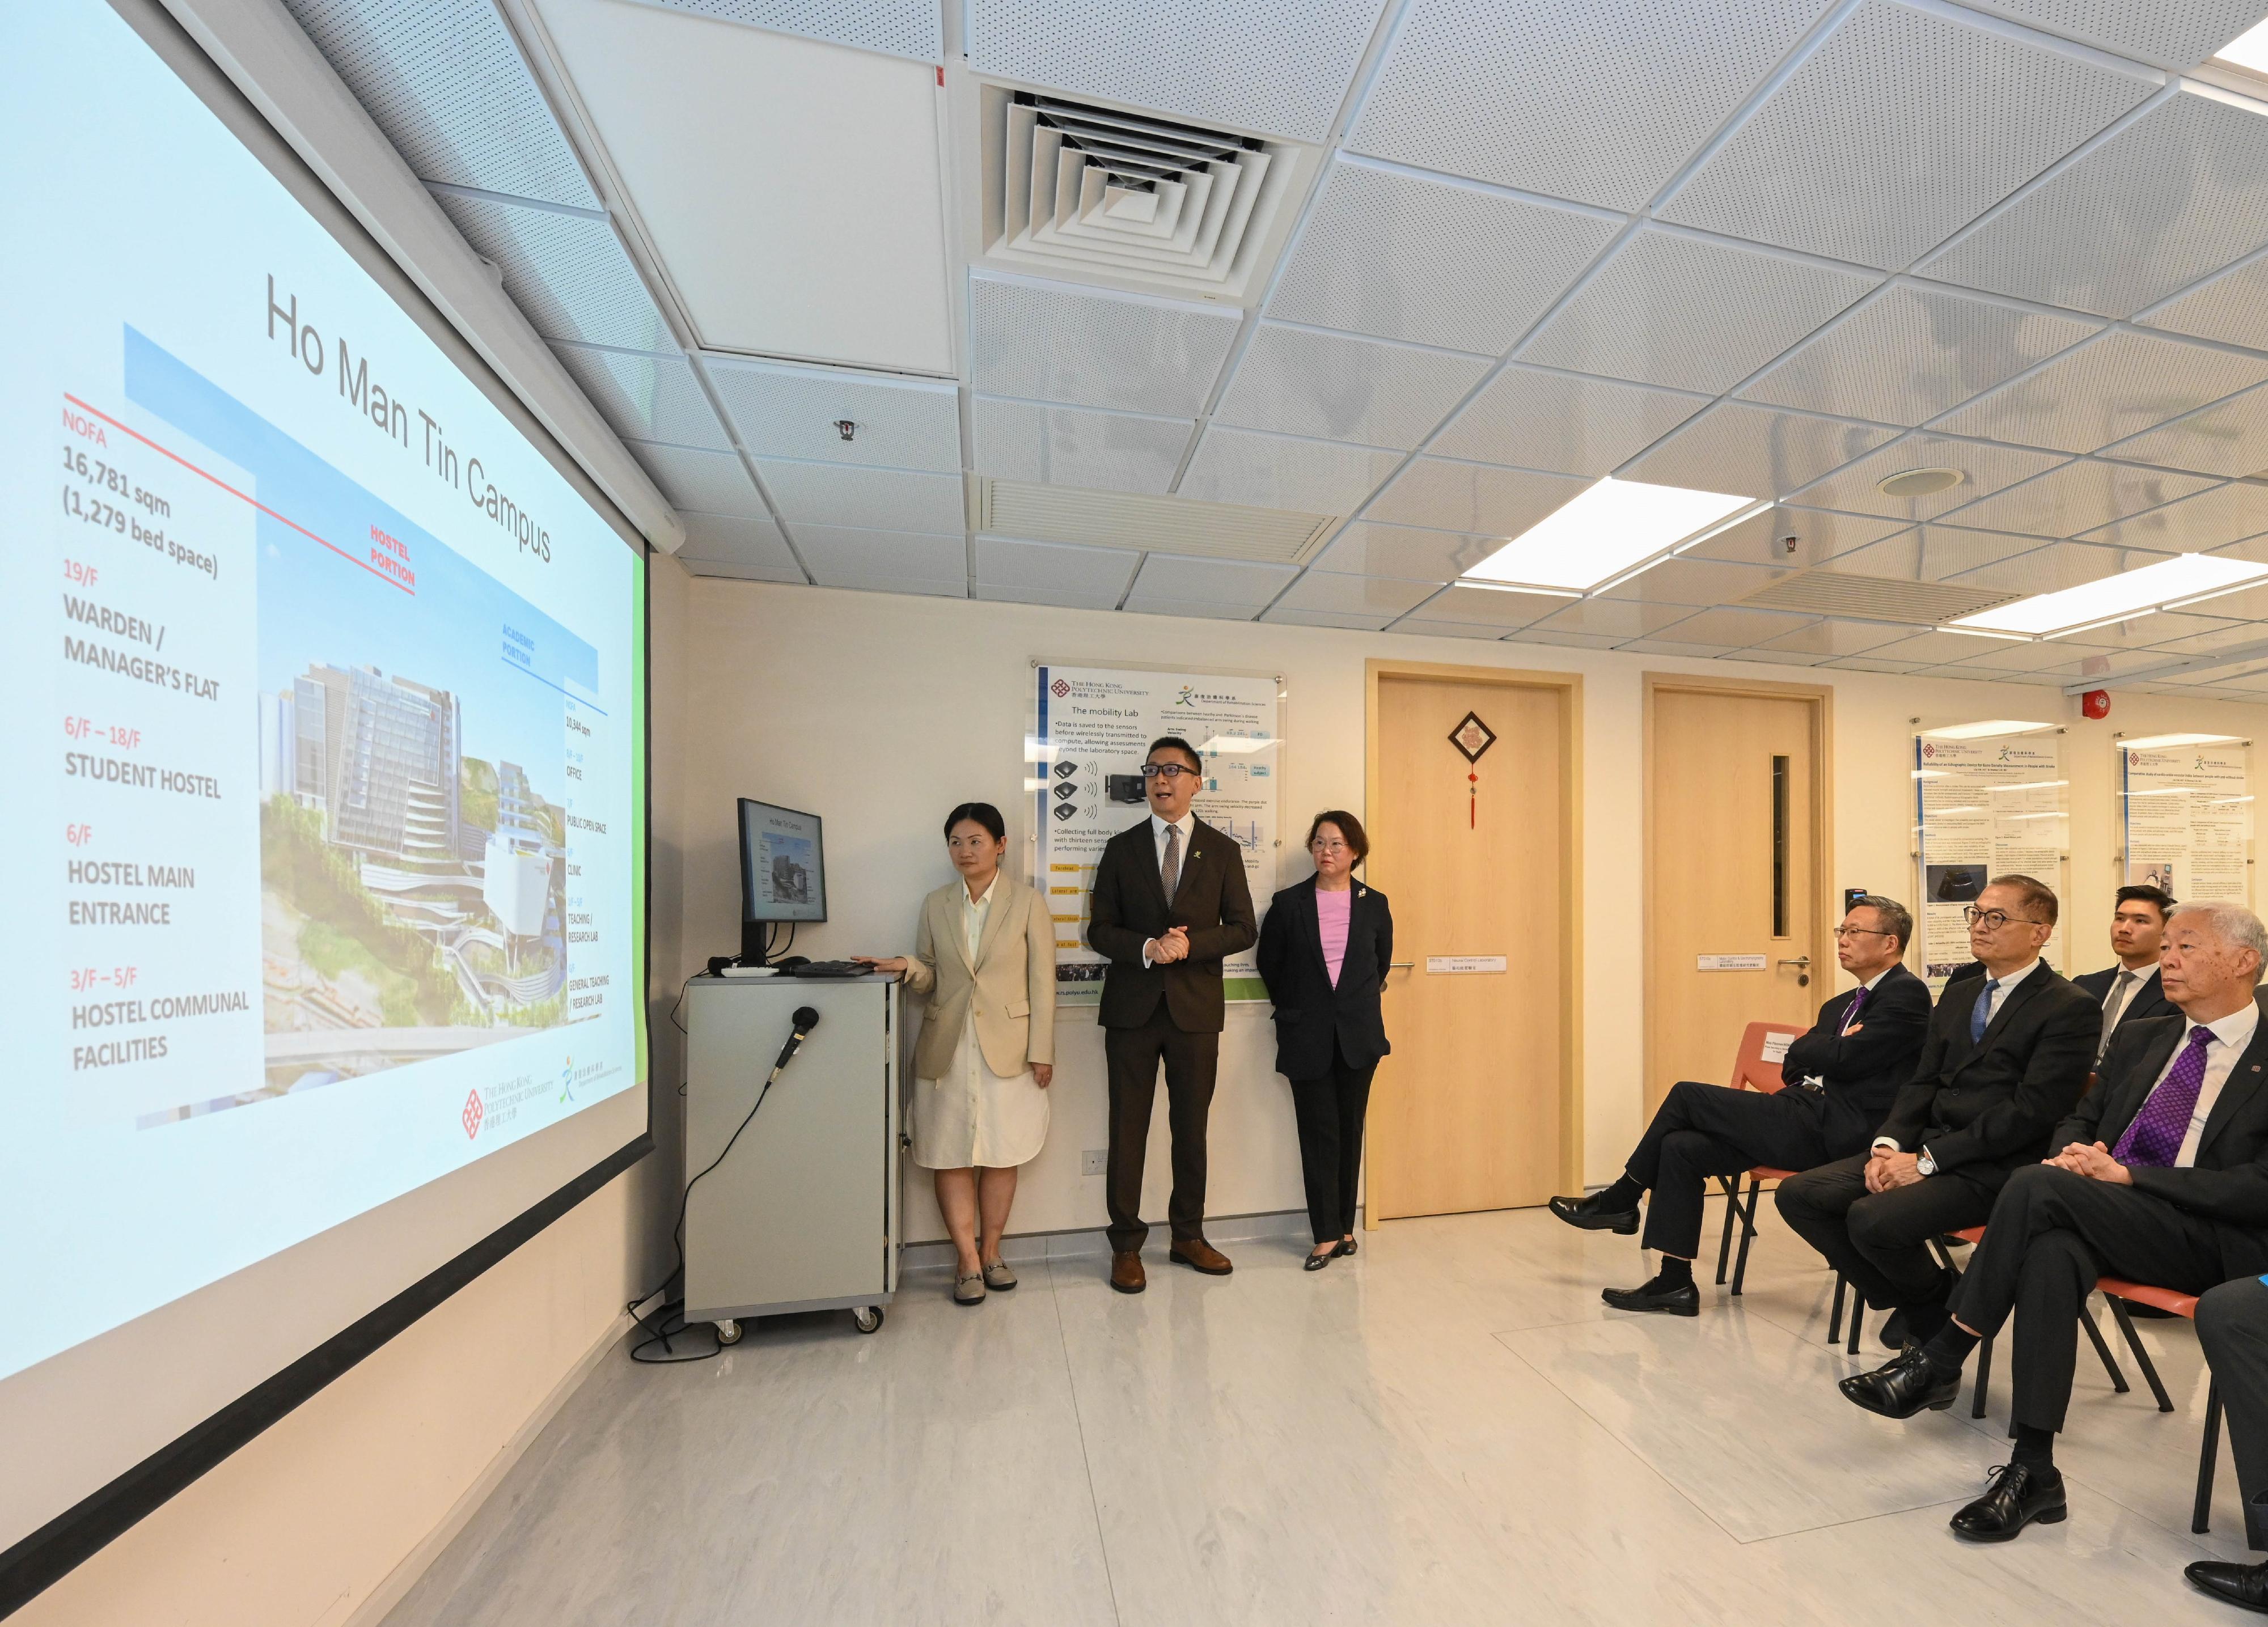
[1169,904]
[2006,1060]
[1840,1079]
[2159,1176]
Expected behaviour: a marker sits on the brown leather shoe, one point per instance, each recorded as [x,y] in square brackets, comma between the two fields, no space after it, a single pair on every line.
[1126,1272]
[1201,1255]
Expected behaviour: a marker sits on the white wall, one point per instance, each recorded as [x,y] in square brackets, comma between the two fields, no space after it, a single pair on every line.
[308,1524]
[881,712]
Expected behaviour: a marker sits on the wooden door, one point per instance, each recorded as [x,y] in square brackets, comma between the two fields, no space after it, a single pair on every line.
[1733,874]
[1470,1111]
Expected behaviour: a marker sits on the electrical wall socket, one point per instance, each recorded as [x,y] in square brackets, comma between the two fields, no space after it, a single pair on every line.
[1094,1160]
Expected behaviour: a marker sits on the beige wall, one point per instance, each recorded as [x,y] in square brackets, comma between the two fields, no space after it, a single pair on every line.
[308,1526]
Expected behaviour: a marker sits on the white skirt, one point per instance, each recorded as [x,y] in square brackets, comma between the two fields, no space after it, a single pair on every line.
[976,1116]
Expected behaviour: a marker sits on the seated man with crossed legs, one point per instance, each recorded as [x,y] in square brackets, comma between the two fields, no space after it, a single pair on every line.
[2159,1176]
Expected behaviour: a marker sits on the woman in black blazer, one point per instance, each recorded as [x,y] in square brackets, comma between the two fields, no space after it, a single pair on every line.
[1324,948]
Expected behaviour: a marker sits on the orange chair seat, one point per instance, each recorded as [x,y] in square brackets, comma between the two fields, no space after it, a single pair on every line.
[2142,1293]
[1766,1172]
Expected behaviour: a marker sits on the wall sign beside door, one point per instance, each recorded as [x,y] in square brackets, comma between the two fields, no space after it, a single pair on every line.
[1729,962]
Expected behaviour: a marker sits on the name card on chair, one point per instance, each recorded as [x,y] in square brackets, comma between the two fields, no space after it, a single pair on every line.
[1775,1051]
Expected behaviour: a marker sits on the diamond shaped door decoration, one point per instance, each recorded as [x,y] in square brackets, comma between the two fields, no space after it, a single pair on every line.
[1472,738]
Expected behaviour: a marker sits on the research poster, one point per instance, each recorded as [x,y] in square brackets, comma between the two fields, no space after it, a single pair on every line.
[1092,727]
[2186,820]
[1983,808]
[323,729]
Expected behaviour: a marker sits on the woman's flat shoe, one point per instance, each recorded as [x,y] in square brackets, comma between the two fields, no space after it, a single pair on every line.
[1317,1261]
[997,1275]
[1346,1246]
[969,1290]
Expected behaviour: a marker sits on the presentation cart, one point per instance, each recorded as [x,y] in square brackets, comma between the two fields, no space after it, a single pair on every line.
[803,1214]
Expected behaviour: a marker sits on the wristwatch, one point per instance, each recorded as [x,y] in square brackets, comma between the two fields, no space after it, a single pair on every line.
[1925,1165]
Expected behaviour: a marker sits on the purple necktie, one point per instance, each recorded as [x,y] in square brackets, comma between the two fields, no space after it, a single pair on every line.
[1851,1012]
[2159,1130]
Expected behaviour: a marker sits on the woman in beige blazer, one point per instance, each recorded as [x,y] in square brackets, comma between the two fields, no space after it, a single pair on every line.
[985,953]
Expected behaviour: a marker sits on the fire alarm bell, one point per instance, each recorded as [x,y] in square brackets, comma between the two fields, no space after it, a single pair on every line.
[2095,703]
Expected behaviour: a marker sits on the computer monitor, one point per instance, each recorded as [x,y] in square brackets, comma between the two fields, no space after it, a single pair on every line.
[783,870]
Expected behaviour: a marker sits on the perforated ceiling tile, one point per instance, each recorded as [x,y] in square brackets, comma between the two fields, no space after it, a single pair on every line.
[754,547]
[1691,314]
[1355,595]
[1280,67]
[1565,641]
[2077,497]
[797,412]
[1930,552]
[1482,607]
[1096,578]
[1078,447]
[2104,391]
[1898,131]
[1296,381]
[1228,583]
[1616,618]
[2171,34]
[1754,452]
[2055,567]
[2212,520]
[1910,353]
[896,562]
[1599,101]
[1421,627]
[1734,628]
[1563,422]
[647,397]
[1832,637]
[445,81]
[1092,350]
[894,27]
[1793,536]
[1472,496]
[1404,257]
[871,499]
[2179,193]
[1933,649]
[713,482]
[1407,552]
[1697,582]
[2230,437]
[1280,472]
[2233,307]
[1984,469]
[567,272]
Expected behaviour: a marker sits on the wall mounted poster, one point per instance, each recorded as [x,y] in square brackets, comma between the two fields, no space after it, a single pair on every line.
[1092,726]
[2187,819]
[1985,807]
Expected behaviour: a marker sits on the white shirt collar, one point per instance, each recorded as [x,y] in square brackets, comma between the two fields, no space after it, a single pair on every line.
[2016,977]
[2141,977]
[2234,1031]
[1870,984]
[990,888]
[1159,827]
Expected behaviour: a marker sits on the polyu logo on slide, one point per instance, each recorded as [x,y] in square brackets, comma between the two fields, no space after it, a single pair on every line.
[472,1115]
[1061,688]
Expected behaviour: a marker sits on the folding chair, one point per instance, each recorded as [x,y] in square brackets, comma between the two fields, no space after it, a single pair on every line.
[2184,1305]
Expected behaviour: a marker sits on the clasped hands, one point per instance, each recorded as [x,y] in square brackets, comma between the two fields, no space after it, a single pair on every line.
[1889,1168]
[1172,945]
[2093,1161]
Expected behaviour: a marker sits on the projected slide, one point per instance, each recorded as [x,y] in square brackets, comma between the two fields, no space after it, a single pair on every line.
[322,728]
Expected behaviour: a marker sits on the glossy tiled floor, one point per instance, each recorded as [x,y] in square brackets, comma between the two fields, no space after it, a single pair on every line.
[1448,1428]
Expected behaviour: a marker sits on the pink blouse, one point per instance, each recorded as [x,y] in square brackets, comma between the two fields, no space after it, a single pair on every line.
[1333,910]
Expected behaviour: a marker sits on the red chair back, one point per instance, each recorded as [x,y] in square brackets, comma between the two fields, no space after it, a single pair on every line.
[1751,1070]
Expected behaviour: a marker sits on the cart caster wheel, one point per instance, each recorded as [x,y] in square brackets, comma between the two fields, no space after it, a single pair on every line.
[867,1318]
[729,1332]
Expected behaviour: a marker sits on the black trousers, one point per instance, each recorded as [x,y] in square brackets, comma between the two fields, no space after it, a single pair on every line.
[1701,1131]
[2232,1325]
[2052,1234]
[1191,1061]
[1329,1109]
[1878,1239]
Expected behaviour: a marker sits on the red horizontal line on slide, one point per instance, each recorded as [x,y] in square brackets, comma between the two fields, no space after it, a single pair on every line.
[233,492]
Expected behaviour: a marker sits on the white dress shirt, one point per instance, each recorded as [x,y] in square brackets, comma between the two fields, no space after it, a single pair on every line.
[2231,1034]
[1188,826]
[1999,998]
[974,914]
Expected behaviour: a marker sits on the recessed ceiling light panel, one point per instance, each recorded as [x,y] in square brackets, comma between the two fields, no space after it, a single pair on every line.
[2183,580]
[1918,483]
[1607,529]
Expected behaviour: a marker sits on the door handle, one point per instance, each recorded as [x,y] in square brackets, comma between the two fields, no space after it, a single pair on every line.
[1401,965]
[1802,959]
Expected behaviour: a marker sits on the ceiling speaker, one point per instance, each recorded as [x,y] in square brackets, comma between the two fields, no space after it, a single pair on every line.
[1918,483]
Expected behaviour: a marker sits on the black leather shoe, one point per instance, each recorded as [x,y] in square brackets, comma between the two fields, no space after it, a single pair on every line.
[1320,1258]
[1682,1301]
[1585,1213]
[1902,1386]
[2017,1498]
[2244,1585]
[1347,1245]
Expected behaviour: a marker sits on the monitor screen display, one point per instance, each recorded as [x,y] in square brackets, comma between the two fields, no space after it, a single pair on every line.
[783,865]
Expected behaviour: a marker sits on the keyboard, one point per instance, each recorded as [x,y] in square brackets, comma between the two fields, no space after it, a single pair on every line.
[828,969]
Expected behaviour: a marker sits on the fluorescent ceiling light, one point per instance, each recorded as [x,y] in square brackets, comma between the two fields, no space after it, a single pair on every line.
[2150,742]
[2248,50]
[1606,528]
[1985,730]
[2183,580]
[1980,632]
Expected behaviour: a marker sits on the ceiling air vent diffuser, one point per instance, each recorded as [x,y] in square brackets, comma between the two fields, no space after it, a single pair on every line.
[1126,196]
[1875,599]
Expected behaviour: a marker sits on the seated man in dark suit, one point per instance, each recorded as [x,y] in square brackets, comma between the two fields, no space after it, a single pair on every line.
[2160,1176]
[2005,1059]
[2130,990]
[2232,1330]
[1841,1078]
